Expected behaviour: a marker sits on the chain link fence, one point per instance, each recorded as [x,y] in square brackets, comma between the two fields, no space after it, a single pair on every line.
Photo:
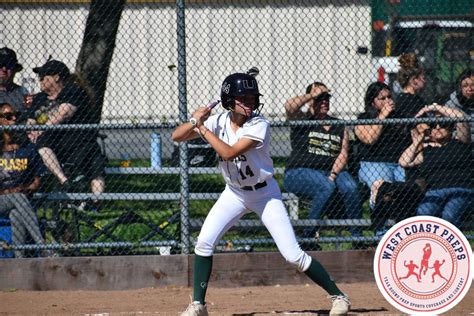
[92,90]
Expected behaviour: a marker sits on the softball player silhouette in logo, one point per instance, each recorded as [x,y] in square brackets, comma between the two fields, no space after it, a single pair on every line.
[241,138]
[411,271]
[425,259]
[436,266]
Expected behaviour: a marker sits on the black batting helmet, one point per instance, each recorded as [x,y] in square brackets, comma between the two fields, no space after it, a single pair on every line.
[238,84]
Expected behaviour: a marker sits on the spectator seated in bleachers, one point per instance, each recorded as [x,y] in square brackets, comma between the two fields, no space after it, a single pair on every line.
[380,145]
[317,163]
[10,92]
[463,99]
[379,149]
[411,77]
[20,169]
[445,167]
[64,101]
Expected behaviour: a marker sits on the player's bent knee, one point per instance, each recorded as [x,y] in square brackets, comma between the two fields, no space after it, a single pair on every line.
[301,260]
[204,248]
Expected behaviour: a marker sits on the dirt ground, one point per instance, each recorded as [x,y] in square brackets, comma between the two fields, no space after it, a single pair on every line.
[286,300]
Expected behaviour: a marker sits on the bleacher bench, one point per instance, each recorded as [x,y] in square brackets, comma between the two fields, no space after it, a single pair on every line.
[290,199]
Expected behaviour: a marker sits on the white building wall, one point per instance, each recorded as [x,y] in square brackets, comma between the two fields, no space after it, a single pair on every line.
[293,44]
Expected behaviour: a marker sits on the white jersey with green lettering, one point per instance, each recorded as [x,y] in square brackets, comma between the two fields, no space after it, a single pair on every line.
[255,165]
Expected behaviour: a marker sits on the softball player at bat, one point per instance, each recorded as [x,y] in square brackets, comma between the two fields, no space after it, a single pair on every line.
[241,139]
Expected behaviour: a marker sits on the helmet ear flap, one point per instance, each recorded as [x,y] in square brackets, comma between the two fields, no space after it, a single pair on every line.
[257,102]
[228,104]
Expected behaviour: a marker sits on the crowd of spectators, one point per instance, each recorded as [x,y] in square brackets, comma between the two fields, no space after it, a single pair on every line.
[427,164]
[409,169]
[69,155]
[63,100]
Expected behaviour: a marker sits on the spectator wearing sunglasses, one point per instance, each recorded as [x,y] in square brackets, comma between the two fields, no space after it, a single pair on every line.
[445,166]
[317,163]
[10,92]
[20,169]
[63,100]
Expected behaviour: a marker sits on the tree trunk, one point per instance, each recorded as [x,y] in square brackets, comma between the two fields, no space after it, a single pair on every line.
[97,49]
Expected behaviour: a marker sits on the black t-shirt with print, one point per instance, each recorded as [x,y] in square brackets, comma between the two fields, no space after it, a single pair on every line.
[448,166]
[64,141]
[72,94]
[314,147]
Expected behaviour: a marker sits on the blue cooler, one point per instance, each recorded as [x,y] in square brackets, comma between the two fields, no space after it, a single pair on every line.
[5,237]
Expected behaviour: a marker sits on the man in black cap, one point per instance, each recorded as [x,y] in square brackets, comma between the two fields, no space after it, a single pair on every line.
[63,100]
[10,92]
[53,67]
[317,163]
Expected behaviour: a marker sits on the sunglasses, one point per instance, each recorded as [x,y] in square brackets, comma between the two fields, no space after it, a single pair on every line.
[440,125]
[9,116]
[321,100]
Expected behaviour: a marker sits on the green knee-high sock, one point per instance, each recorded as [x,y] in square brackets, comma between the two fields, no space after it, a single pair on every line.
[318,274]
[202,273]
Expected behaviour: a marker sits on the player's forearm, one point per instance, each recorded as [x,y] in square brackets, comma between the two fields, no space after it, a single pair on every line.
[222,149]
[184,132]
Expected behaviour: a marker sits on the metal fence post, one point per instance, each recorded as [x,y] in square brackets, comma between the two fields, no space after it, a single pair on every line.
[183,157]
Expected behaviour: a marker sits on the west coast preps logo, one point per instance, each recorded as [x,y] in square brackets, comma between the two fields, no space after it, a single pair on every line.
[423,265]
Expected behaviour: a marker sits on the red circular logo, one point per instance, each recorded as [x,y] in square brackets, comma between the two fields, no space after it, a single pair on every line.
[423,265]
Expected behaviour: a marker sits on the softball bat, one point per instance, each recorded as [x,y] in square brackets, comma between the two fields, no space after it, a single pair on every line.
[213,104]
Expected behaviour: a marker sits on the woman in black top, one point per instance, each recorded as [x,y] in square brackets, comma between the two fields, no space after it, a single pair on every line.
[445,166]
[411,77]
[317,164]
[380,145]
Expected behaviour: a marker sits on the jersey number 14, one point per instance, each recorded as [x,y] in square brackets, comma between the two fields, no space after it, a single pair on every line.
[248,172]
